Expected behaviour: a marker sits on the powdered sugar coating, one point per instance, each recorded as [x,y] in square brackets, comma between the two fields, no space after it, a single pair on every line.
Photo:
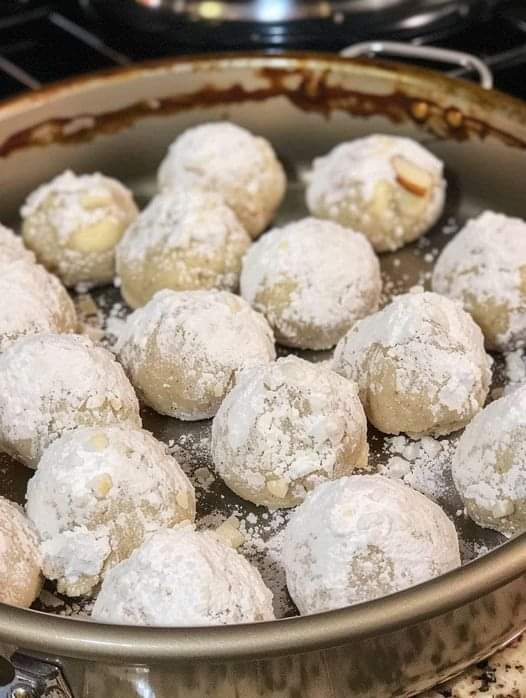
[33,302]
[181,577]
[12,248]
[73,224]
[362,537]
[183,241]
[424,465]
[231,161]
[312,280]
[97,493]
[419,363]
[20,578]
[489,465]
[182,350]
[284,428]
[484,267]
[356,185]
[50,384]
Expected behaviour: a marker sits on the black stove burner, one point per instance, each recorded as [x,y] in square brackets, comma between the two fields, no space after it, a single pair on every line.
[43,41]
[514,12]
[315,24]
[411,12]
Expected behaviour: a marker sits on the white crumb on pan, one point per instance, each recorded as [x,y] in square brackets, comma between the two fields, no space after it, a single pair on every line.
[424,464]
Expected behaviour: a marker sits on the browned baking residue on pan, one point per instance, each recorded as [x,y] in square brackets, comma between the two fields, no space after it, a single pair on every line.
[309,90]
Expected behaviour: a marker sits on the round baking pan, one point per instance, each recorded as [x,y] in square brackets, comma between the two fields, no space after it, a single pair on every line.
[120,123]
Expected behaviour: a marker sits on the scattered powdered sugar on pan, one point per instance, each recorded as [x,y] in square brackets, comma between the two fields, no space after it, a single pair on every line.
[514,371]
[424,464]
[473,548]
[263,546]
[204,477]
[263,533]
[480,549]
[101,317]
[509,373]
[405,282]
[192,452]
[88,311]
[52,602]
[515,366]
[115,324]
[451,226]
[90,317]
[49,600]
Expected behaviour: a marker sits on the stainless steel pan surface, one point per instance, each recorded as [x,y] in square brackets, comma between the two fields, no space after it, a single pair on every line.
[121,123]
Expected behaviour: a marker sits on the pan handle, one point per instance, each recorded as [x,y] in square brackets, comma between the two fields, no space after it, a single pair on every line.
[429,53]
[29,677]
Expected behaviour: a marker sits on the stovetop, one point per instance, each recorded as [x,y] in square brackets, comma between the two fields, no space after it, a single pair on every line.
[41,41]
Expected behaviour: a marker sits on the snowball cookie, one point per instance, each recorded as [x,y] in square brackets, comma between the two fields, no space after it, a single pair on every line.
[73,224]
[33,302]
[362,537]
[419,364]
[52,383]
[312,280]
[12,248]
[20,578]
[183,241]
[183,349]
[484,267]
[229,160]
[390,189]
[284,428]
[182,577]
[95,496]
[489,465]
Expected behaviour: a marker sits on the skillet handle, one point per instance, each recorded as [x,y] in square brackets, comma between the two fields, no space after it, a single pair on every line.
[28,677]
[429,53]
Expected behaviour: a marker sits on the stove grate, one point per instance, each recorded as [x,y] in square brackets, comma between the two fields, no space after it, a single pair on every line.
[42,44]
[46,40]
